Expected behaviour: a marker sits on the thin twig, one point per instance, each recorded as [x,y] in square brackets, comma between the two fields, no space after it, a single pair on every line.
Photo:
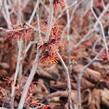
[68,70]
[29,80]
[19,13]
[94,27]
[43,4]
[6,13]
[80,75]
[19,58]
[102,30]
[39,28]
[64,9]
[68,78]
[34,12]
[50,20]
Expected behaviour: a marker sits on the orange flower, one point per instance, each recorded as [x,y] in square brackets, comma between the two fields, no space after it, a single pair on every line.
[56,31]
[49,60]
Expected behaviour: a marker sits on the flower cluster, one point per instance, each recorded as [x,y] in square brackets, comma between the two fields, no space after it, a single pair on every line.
[49,55]
[19,32]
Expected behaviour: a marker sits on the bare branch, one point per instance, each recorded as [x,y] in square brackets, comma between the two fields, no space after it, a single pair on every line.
[29,80]
[34,12]
[68,79]
[50,20]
